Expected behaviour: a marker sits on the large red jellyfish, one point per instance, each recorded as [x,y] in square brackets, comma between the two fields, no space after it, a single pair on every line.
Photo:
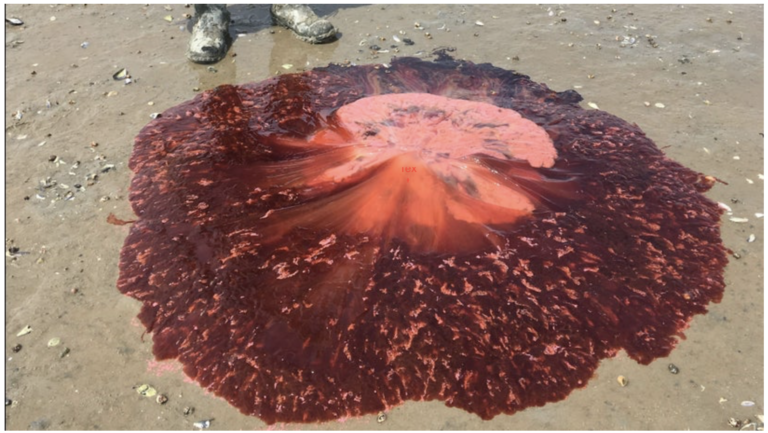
[336,242]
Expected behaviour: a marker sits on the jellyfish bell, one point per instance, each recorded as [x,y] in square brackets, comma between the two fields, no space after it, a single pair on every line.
[416,163]
[337,242]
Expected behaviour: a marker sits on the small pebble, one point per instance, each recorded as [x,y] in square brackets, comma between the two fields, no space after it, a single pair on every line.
[64,352]
[673,369]
[162,399]
[188,410]
[8,401]
[16,348]
[659,105]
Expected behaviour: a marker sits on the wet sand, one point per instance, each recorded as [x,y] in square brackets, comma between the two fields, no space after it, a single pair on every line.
[703,63]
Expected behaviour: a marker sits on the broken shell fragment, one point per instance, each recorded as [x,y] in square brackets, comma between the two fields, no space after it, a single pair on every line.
[146,390]
[64,352]
[202,424]
[27,329]
[747,403]
[751,238]
[155,115]
[724,206]
[14,21]
[162,398]
[738,220]
[188,410]
[120,75]
[622,381]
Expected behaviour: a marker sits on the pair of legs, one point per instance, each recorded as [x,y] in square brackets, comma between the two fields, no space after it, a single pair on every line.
[210,36]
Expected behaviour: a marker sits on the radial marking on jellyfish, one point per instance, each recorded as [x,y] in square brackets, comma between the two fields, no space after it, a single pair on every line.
[334,243]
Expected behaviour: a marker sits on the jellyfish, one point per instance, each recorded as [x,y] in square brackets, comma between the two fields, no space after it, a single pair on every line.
[336,242]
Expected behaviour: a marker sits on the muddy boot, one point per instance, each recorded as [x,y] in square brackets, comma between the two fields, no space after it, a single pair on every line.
[210,36]
[305,24]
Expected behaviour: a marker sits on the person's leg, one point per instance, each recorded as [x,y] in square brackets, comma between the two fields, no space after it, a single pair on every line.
[210,36]
[305,24]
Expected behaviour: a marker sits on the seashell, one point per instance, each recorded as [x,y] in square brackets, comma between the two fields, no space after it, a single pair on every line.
[593,105]
[14,21]
[27,329]
[120,75]
[381,417]
[55,341]
[622,381]
[204,424]
[146,390]
[738,220]
[747,403]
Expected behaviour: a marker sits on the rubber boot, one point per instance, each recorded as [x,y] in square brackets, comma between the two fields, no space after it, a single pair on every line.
[210,36]
[304,23]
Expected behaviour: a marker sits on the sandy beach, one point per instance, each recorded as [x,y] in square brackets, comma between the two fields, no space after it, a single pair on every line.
[690,76]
